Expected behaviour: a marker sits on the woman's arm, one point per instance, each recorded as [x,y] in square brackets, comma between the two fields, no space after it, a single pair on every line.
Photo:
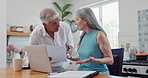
[105,48]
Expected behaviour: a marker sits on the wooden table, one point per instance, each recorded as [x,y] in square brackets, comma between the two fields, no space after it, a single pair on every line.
[27,73]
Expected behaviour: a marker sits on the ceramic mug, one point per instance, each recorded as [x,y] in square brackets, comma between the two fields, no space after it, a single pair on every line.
[17,64]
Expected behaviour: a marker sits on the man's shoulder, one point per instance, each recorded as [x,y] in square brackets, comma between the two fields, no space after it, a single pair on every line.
[37,31]
[38,28]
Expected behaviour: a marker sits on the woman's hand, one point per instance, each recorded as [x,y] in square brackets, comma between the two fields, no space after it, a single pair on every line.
[83,61]
[90,59]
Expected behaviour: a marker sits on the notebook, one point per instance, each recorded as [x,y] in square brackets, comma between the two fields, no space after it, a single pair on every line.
[75,74]
[38,58]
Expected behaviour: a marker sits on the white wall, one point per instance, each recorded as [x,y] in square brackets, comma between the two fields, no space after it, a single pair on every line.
[128,20]
[2,33]
[26,12]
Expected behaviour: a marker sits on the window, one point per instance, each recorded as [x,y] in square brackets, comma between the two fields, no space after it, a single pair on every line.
[108,17]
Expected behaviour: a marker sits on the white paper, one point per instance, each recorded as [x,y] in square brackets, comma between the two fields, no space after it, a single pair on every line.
[72,74]
[57,53]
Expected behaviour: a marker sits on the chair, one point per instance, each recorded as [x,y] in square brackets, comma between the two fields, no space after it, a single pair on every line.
[116,68]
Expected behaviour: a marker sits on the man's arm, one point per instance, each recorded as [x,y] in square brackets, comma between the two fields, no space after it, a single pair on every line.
[32,40]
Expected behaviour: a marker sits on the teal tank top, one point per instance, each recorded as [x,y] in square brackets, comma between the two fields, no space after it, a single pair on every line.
[90,48]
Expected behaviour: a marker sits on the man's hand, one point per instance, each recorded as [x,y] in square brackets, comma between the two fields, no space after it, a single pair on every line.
[68,47]
[68,56]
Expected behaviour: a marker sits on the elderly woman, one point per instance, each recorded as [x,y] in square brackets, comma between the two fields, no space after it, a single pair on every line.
[94,49]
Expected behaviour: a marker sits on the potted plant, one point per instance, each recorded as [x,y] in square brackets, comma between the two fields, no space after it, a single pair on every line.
[63,11]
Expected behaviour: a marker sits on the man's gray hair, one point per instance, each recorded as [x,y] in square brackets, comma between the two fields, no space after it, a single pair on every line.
[48,14]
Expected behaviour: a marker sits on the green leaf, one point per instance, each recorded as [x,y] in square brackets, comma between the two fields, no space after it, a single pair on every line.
[67,20]
[57,5]
[65,14]
[66,7]
[9,54]
[12,49]
[73,20]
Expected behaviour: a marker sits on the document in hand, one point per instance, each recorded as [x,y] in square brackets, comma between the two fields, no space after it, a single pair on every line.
[57,53]
[75,74]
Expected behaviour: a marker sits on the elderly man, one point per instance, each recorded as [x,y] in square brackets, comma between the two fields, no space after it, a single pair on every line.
[53,32]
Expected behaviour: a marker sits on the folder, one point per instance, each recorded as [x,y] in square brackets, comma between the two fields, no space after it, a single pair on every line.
[75,74]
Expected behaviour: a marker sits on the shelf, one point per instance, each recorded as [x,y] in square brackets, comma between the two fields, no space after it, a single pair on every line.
[17,34]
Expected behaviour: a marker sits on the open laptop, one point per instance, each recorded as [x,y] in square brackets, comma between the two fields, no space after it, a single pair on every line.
[38,58]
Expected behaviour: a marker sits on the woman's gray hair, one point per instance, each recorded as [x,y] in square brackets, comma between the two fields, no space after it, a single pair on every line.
[48,14]
[88,15]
